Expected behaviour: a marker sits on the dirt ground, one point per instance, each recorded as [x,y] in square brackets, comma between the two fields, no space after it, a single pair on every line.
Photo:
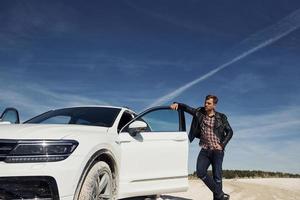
[240,189]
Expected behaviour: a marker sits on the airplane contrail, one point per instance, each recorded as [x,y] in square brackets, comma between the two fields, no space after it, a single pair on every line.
[261,39]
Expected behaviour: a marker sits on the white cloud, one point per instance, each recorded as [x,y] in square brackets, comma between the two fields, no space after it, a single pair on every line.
[266,125]
[32,99]
[244,83]
[165,15]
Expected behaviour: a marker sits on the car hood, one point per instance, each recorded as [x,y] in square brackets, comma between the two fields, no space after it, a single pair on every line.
[45,131]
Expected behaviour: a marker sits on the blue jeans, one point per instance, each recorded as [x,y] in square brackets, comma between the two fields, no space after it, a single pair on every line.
[215,158]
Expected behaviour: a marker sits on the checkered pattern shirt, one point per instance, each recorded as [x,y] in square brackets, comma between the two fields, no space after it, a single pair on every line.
[208,139]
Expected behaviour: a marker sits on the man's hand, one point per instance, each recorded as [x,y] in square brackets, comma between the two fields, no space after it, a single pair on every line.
[219,147]
[174,106]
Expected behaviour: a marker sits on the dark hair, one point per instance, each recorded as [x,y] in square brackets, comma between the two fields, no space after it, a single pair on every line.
[215,98]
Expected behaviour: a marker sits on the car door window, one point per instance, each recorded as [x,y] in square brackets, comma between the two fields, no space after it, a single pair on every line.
[163,120]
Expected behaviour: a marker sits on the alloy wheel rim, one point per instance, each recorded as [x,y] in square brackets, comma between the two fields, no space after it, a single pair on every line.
[102,189]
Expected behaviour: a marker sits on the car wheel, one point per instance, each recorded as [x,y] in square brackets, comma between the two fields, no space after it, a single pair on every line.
[98,183]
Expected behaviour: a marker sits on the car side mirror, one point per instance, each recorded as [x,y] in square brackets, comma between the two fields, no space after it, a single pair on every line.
[136,127]
[10,116]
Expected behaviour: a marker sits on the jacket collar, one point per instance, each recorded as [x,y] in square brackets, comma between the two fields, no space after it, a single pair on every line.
[217,115]
[202,110]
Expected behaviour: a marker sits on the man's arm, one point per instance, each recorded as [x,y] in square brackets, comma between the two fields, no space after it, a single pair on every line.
[228,131]
[184,107]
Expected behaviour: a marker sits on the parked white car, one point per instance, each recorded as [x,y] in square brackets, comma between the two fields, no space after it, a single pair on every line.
[93,152]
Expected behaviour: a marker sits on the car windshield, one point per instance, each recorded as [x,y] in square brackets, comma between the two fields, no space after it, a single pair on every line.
[94,116]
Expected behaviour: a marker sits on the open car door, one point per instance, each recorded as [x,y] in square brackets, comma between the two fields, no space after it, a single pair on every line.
[154,152]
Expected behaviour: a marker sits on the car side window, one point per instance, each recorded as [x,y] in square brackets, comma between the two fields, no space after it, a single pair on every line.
[163,120]
[126,117]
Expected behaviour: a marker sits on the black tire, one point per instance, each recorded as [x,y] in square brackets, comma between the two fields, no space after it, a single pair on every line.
[98,183]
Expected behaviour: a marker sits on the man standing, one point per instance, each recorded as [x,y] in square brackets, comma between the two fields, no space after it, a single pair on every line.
[214,132]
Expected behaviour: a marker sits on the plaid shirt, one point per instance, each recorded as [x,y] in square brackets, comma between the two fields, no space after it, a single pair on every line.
[208,139]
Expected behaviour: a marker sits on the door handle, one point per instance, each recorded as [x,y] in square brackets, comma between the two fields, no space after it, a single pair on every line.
[123,141]
[179,138]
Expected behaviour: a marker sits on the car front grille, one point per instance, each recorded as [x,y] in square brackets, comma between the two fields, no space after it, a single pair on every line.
[5,147]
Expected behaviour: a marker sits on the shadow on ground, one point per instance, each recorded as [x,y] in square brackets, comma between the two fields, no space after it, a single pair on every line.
[161,197]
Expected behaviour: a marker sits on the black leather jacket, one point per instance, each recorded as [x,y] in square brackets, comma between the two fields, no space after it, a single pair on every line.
[222,128]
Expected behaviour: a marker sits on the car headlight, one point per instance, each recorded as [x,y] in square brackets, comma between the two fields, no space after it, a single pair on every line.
[41,151]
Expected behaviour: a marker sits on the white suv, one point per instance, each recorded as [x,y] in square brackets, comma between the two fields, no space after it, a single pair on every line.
[93,152]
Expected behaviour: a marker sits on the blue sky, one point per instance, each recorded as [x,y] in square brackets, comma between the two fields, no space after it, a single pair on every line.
[64,53]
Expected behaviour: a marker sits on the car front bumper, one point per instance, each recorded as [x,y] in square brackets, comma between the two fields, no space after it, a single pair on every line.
[28,187]
[58,179]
